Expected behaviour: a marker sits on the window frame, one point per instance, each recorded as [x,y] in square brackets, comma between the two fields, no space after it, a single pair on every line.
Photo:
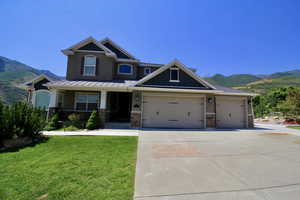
[122,73]
[147,68]
[171,80]
[86,102]
[84,65]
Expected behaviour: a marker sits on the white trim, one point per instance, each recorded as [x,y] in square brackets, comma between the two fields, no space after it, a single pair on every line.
[36,79]
[174,80]
[174,90]
[53,98]
[116,46]
[84,65]
[103,99]
[204,111]
[147,68]
[75,47]
[136,111]
[126,60]
[180,66]
[208,113]
[246,113]
[131,66]
[151,94]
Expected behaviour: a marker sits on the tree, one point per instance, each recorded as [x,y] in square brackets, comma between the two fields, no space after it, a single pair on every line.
[94,121]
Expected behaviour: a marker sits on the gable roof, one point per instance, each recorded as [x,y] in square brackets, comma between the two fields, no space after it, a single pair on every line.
[181,66]
[77,46]
[117,47]
[36,79]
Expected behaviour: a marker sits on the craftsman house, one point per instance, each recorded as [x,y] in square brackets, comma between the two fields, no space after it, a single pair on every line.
[105,77]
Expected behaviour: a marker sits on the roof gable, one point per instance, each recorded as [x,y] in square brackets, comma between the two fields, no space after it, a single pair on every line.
[88,44]
[91,47]
[188,79]
[115,48]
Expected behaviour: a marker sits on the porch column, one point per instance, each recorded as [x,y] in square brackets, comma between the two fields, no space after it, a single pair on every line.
[53,99]
[102,111]
[103,99]
[52,103]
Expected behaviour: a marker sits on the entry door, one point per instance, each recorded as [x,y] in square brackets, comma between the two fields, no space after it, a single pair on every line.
[230,112]
[173,112]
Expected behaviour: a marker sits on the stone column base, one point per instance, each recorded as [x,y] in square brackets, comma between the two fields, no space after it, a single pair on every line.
[210,121]
[135,120]
[102,114]
[250,121]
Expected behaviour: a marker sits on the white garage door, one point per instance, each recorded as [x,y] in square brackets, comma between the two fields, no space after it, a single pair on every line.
[173,112]
[230,112]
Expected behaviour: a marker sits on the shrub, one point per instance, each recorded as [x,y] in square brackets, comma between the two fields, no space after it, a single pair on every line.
[53,123]
[94,121]
[75,121]
[21,120]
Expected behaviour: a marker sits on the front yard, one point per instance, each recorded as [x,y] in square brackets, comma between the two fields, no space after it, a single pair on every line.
[70,168]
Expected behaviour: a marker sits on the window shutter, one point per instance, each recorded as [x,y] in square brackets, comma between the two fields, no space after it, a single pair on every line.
[82,65]
[97,66]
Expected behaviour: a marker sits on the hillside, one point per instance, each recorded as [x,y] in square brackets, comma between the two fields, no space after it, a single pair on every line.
[13,73]
[258,83]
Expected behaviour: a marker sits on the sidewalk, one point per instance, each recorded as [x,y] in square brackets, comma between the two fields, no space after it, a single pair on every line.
[106,132]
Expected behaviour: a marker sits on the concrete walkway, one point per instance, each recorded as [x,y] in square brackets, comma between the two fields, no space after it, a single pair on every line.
[262,164]
[104,132]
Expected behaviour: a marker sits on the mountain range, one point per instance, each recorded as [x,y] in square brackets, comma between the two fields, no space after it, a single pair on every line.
[13,73]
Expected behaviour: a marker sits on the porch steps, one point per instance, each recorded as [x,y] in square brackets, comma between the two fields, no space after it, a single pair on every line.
[117,125]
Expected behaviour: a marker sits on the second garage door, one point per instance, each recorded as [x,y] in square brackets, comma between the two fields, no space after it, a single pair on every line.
[173,112]
[230,112]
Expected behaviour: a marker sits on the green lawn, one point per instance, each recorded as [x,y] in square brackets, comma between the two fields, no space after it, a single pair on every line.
[70,167]
[294,127]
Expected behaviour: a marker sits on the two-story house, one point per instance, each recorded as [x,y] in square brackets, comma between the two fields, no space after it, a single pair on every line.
[105,77]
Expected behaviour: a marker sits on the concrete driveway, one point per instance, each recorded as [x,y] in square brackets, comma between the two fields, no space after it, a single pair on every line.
[218,165]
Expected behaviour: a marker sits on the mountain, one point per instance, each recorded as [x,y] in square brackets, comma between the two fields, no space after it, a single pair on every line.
[233,80]
[258,83]
[13,73]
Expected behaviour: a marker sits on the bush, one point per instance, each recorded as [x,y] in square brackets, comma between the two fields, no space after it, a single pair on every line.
[53,123]
[94,121]
[75,121]
[21,120]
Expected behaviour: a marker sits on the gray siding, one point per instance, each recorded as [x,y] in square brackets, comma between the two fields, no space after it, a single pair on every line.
[163,79]
[39,85]
[141,71]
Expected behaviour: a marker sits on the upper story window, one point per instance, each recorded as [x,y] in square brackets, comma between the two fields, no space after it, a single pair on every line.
[89,66]
[125,69]
[147,71]
[174,75]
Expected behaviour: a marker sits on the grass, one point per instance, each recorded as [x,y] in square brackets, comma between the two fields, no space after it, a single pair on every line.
[294,127]
[71,168]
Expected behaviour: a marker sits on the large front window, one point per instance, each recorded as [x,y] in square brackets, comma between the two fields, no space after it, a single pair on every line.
[125,69]
[89,66]
[87,102]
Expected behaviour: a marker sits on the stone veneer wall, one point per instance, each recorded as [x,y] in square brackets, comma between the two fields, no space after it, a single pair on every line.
[136,110]
[210,111]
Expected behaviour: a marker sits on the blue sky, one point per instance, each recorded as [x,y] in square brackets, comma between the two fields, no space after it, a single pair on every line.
[214,36]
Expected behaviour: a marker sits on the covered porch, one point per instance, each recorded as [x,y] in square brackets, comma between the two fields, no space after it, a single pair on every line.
[113,106]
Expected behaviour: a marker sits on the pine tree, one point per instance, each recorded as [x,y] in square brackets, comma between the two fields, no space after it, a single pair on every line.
[94,121]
